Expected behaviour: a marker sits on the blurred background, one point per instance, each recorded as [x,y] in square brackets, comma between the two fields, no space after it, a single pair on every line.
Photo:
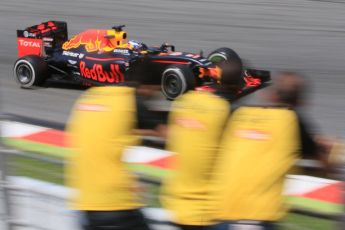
[299,35]
[306,36]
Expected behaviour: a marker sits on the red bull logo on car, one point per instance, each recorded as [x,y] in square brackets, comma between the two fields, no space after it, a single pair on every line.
[98,73]
[93,40]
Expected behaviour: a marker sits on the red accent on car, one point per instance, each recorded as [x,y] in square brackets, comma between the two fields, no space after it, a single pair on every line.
[252,81]
[41,27]
[27,46]
[214,72]
[51,24]
[103,59]
[172,62]
[205,88]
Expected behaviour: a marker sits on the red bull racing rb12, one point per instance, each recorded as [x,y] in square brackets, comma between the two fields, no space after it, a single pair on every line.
[98,57]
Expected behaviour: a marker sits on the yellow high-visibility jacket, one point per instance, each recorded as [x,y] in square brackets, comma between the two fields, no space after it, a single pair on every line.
[259,146]
[195,126]
[99,129]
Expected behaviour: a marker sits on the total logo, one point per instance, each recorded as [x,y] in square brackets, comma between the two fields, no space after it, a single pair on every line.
[29,43]
[72,54]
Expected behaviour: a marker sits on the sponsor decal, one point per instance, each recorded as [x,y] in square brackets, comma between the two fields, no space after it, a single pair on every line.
[189,123]
[72,62]
[72,54]
[253,134]
[175,54]
[27,34]
[75,72]
[97,73]
[122,51]
[27,46]
[192,55]
[47,39]
[91,107]
[47,44]
[26,43]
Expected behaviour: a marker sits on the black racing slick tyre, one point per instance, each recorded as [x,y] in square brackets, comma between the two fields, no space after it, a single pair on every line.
[176,80]
[30,71]
[222,55]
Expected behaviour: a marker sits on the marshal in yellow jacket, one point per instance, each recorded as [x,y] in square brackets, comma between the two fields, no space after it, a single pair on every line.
[194,130]
[99,129]
[259,147]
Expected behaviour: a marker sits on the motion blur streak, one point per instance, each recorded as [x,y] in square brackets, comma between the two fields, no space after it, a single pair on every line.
[276,34]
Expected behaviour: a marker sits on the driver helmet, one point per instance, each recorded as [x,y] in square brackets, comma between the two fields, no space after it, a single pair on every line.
[134,45]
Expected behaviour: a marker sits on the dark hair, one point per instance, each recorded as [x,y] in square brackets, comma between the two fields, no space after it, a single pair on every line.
[290,88]
[232,72]
[290,97]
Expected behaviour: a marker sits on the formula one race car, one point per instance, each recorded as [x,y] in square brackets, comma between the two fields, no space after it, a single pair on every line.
[104,57]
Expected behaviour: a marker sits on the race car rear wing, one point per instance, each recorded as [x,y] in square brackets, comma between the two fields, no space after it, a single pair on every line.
[41,39]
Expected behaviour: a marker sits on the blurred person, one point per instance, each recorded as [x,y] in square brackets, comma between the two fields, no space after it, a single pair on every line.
[290,90]
[101,126]
[259,146]
[196,122]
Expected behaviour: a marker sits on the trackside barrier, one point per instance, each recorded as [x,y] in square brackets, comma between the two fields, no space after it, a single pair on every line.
[41,205]
[5,210]
[33,204]
[341,174]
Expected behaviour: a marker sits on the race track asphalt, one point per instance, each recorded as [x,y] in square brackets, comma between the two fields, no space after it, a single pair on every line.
[297,35]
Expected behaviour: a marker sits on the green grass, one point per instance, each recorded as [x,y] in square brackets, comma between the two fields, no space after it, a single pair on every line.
[302,222]
[154,173]
[36,147]
[37,169]
[52,172]
[315,205]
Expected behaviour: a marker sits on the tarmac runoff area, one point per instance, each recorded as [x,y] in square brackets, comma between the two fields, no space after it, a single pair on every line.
[298,35]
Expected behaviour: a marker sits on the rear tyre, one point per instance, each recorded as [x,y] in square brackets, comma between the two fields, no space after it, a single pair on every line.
[30,71]
[222,55]
[176,80]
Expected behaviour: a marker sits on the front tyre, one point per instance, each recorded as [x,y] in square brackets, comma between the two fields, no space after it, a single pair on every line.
[176,80]
[222,55]
[30,71]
